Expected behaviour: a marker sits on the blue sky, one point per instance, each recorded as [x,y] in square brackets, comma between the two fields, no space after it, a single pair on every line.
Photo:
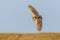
[15,16]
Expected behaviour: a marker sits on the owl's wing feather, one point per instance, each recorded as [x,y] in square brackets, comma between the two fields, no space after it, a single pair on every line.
[39,24]
[34,12]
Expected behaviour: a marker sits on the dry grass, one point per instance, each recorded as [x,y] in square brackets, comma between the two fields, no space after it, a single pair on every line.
[37,36]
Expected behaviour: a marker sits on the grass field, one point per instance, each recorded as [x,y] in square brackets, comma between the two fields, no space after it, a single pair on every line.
[36,36]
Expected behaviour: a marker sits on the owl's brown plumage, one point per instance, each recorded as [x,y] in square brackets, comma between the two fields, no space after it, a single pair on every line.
[33,11]
[36,18]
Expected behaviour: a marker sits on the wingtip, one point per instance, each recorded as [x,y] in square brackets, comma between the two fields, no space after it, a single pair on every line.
[29,6]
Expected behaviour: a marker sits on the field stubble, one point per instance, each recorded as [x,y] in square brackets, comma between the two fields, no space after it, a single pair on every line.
[36,36]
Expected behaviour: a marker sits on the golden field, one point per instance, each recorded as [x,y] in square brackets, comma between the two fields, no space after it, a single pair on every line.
[36,36]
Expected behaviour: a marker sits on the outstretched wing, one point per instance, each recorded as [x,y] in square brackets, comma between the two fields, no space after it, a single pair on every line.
[34,12]
[39,24]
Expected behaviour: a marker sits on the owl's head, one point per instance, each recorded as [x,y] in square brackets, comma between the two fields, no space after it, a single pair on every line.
[37,18]
[34,18]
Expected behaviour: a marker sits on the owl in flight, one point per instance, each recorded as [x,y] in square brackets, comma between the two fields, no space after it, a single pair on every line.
[36,17]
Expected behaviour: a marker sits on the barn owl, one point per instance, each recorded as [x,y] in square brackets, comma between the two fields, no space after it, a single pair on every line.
[36,17]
